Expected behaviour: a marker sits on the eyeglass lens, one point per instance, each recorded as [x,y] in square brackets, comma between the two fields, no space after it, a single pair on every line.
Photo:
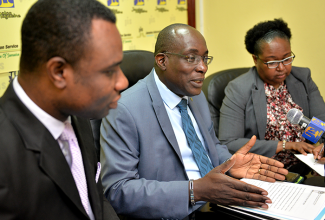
[197,59]
[275,64]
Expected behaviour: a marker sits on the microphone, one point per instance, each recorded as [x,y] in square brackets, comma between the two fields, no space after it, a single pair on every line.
[314,128]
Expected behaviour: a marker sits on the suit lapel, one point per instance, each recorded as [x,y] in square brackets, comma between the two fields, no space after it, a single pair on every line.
[56,167]
[204,132]
[161,113]
[83,133]
[259,103]
[38,139]
[299,96]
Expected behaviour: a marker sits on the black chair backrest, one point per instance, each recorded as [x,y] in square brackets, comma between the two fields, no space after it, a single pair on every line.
[214,89]
[136,65]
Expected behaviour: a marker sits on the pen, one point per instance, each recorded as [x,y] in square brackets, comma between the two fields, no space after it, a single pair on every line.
[319,153]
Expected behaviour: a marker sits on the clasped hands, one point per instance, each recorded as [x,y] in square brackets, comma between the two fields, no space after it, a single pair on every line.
[216,187]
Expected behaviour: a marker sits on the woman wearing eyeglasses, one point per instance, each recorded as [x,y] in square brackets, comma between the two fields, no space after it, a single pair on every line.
[256,103]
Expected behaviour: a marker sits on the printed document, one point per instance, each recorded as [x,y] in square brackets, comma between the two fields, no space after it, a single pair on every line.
[291,201]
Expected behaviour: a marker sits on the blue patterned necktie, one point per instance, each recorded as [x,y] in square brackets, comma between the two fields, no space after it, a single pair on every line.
[200,155]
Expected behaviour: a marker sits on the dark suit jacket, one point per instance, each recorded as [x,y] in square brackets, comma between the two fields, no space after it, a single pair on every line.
[143,170]
[244,114]
[35,178]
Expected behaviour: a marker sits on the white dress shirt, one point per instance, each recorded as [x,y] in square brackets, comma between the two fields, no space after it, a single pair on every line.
[52,124]
[171,101]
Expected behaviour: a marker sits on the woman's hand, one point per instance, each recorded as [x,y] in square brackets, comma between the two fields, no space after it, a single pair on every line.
[301,147]
[319,153]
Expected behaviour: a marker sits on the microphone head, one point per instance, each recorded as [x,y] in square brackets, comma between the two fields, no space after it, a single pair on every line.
[294,116]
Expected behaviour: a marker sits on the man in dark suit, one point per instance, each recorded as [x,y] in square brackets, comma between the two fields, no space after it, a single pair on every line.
[150,161]
[69,70]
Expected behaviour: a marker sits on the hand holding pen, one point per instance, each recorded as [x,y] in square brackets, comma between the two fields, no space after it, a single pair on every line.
[319,154]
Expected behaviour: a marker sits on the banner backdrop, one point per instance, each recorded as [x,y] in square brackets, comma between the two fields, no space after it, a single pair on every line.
[12,13]
[139,22]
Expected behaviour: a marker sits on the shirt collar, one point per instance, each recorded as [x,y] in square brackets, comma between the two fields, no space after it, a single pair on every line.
[54,125]
[169,98]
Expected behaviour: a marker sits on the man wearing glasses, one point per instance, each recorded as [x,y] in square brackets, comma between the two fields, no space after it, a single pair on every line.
[160,155]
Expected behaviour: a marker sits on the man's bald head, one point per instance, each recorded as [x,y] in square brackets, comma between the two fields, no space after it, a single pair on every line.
[167,38]
[180,56]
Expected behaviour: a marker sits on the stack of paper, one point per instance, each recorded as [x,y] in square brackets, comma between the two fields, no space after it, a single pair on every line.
[291,201]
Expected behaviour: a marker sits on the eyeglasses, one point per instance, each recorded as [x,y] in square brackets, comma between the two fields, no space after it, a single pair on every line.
[194,59]
[275,63]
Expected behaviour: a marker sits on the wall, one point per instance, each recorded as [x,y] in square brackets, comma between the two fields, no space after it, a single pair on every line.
[12,13]
[225,23]
[139,22]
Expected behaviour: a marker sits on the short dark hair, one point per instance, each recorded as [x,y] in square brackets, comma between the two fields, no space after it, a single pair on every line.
[59,28]
[265,32]
[166,40]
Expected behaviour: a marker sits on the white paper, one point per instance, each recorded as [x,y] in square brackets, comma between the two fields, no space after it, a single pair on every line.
[310,161]
[291,201]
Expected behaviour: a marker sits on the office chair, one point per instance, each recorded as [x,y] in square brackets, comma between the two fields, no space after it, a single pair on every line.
[136,65]
[213,89]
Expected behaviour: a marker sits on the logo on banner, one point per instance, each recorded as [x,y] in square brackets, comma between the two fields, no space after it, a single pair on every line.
[181,2]
[8,55]
[161,9]
[7,15]
[115,11]
[141,33]
[152,34]
[9,46]
[161,2]
[138,2]
[181,8]
[113,3]
[7,4]
[139,10]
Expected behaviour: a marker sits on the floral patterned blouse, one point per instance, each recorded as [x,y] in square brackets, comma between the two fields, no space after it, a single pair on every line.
[278,103]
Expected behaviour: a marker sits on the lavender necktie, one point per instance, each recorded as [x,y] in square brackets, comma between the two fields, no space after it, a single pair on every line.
[77,167]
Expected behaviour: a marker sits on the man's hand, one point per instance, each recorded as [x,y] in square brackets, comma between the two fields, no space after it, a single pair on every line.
[319,151]
[216,187]
[254,166]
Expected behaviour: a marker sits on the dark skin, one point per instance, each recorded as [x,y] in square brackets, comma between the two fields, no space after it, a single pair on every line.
[319,154]
[301,147]
[278,49]
[90,88]
[186,79]
[216,187]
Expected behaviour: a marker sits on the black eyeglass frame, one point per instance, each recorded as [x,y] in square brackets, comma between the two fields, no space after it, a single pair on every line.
[196,61]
